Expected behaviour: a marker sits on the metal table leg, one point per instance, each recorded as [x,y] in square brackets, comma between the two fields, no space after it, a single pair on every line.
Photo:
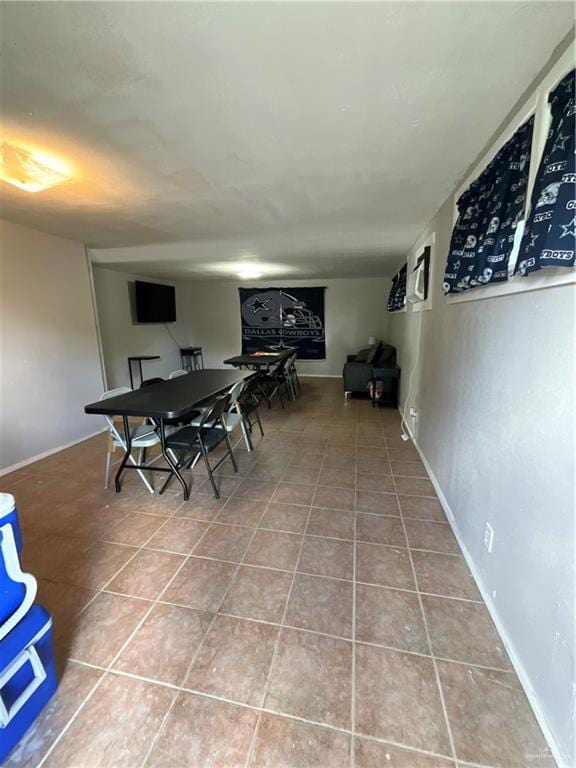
[127,453]
[173,466]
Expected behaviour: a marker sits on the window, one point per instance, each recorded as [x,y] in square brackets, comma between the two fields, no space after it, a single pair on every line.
[536,106]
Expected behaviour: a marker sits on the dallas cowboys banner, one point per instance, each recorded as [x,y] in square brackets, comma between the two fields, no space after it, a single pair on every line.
[276,319]
[549,237]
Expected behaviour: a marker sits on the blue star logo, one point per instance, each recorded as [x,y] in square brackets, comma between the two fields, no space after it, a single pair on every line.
[258,305]
[560,142]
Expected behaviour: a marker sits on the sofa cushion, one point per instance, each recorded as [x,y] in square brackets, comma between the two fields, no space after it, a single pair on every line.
[387,355]
[362,355]
[374,353]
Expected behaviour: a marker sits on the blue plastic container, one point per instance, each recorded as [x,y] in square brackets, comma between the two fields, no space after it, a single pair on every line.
[9,515]
[27,676]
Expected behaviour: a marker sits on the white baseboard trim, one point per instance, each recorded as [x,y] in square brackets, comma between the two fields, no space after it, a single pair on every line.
[319,375]
[562,760]
[32,459]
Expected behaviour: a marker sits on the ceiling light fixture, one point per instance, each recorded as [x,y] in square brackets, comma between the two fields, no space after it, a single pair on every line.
[27,171]
[249,273]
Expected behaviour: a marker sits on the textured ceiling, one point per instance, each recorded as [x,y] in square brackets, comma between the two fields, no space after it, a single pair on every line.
[318,138]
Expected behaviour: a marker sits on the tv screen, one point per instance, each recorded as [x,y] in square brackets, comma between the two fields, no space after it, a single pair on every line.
[155,303]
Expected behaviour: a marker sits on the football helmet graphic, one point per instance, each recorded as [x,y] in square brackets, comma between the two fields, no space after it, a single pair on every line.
[272,309]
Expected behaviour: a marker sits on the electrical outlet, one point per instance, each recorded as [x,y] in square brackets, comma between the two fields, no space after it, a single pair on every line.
[488,537]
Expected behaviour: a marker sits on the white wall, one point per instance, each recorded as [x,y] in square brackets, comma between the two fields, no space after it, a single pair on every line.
[123,337]
[355,309]
[208,315]
[494,388]
[49,366]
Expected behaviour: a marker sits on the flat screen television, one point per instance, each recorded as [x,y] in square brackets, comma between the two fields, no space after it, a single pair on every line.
[155,303]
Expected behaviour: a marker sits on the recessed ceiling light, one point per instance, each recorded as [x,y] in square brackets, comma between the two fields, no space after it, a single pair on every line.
[27,171]
[249,273]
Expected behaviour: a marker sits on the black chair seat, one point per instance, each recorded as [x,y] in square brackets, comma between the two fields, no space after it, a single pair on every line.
[187,437]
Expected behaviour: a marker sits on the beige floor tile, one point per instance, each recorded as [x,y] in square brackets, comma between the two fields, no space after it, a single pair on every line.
[202,732]
[327,557]
[390,617]
[377,529]
[490,718]
[333,523]
[95,567]
[294,493]
[384,565]
[373,754]
[224,542]
[274,549]
[285,743]
[101,630]
[444,575]
[147,574]
[321,604]
[234,660]
[422,508]
[334,498]
[414,486]
[397,699]
[311,678]
[463,631]
[285,517]
[242,512]
[258,593]
[377,503]
[178,534]
[164,645]
[436,537]
[134,529]
[116,726]
[200,584]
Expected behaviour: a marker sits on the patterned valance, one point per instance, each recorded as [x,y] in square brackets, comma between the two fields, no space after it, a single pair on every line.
[489,212]
[397,298]
[550,234]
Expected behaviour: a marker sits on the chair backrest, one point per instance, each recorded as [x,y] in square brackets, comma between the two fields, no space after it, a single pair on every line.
[213,415]
[290,363]
[179,372]
[235,392]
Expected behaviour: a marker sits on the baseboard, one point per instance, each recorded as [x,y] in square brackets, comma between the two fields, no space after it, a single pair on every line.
[562,760]
[319,375]
[39,456]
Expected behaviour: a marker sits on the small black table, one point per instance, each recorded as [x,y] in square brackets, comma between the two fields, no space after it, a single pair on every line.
[192,358]
[138,359]
[390,374]
[257,361]
[172,399]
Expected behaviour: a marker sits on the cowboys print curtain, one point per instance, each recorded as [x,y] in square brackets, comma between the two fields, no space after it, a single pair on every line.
[397,297]
[550,234]
[489,212]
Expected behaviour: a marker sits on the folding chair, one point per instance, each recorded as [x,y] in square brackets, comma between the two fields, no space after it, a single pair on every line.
[192,442]
[142,437]
[233,416]
[249,403]
[176,374]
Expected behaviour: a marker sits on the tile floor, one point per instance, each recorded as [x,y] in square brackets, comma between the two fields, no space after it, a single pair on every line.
[318,614]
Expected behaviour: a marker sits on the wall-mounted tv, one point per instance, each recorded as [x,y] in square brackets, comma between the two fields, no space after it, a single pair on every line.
[155,303]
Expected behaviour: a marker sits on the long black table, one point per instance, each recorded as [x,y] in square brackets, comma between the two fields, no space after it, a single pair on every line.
[167,400]
[257,361]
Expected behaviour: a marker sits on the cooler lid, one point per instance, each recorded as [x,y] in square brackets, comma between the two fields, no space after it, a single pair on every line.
[7,504]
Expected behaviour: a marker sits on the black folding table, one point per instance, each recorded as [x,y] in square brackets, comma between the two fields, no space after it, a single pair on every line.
[167,400]
[257,361]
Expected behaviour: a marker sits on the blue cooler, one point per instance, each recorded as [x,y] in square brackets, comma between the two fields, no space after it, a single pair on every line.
[9,515]
[27,670]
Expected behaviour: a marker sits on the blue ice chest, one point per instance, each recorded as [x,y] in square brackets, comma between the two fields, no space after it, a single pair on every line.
[27,676]
[9,515]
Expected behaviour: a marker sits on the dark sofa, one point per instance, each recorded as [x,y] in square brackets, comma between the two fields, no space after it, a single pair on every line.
[358,369]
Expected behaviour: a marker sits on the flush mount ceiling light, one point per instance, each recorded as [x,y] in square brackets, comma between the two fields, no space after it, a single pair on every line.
[249,272]
[27,171]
